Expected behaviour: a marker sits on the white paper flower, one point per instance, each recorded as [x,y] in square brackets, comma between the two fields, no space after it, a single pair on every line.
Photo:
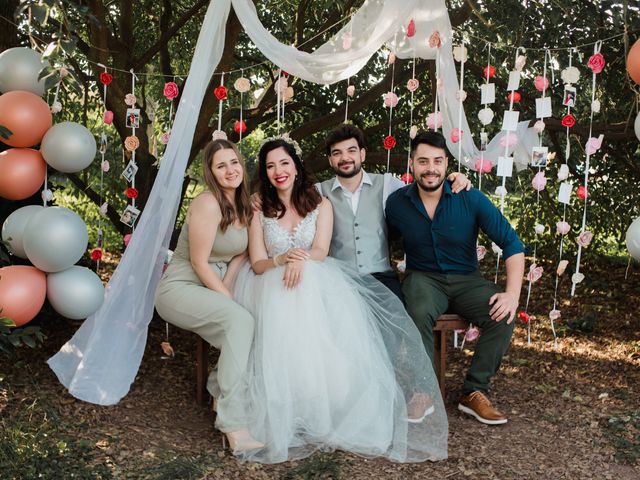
[47,195]
[413,131]
[570,75]
[554,315]
[281,85]
[562,266]
[539,229]
[242,85]
[595,106]
[218,135]
[563,227]
[461,95]
[520,62]
[103,209]
[460,53]
[288,94]
[577,278]
[485,116]
[563,172]
[538,127]
[56,107]
[496,249]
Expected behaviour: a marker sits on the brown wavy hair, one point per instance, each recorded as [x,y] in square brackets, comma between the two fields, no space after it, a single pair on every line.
[242,210]
[305,196]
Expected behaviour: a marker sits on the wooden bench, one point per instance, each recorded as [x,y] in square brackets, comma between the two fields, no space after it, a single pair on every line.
[446,323]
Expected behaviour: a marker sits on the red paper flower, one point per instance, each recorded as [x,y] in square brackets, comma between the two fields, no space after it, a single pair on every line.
[96,254]
[284,73]
[581,192]
[106,78]
[220,92]
[131,192]
[389,142]
[568,121]
[596,63]
[524,317]
[170,90]
[489,71]
[411,28]
[239,126]
[516,97]
[407,178]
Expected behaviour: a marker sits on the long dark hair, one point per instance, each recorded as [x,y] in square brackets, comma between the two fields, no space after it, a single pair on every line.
[242,210]
[304,198]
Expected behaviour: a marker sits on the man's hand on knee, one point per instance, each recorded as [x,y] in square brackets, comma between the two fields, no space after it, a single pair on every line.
[504,306]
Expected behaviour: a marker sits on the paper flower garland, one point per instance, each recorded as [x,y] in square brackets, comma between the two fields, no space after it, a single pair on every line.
[581,192]
[539,229]
[570,75]
[170,90]
[584,239]
[107,118]
[242,85]
[596,63]
[56,107]
[535,273]
[131,143]
[524,317]
[130,99]
[541,83]
[482,165]
[389,142]
[406,178]
[434,40]
[485,116]
[96,254]
[456,134]
[239,126]
[460,53]
[413,131]
[218,135]
[434,121]
[568,121]
[563,227]
[413,84]
[390,100]
[106,78]
[538,127]
[515,95]
[351,90]
[520,62]
[411,28]
[562,266]
[220,92]
[489,71]
[131,192]
[481,251]
[563,172]
[539,181]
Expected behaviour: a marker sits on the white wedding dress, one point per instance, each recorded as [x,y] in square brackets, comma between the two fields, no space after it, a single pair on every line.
[334,362]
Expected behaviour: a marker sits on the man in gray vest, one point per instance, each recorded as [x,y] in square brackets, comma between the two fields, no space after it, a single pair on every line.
[358,199]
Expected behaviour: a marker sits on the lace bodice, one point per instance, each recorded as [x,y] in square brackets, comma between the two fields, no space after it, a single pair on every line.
[278,240]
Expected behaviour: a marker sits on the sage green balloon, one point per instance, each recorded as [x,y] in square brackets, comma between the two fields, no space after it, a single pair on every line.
[75,293]
[13,228]
[19,70]
[68,147]
[54,239]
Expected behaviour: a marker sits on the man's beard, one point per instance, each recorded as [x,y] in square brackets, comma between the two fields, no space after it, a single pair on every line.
[351,174]
[427,188]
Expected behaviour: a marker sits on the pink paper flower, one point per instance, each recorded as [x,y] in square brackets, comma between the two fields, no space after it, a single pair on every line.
[351,90]
[413,131]
[392,58]
[126,239]
[242,85]
[411,28]
[434,40]
[56,107]
[131,143]
[218,135]
[130,99]
[541,83]
[563,227]
[539,181]
[170,90]
[554,315]
[509,140]
[107,118]
[593,145]
[456,135]
[390,100]
[535,273]
[538,127]
[584,239]
[104,166]
[472,334]
[481,251]
[434,121]
[596,63]
[562,266]
[539,229]
[482,165]
[413,84]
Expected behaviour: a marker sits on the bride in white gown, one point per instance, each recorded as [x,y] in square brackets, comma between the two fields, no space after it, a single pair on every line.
[336,363]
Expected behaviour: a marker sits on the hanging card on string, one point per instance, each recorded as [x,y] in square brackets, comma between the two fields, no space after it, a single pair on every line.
[543,107]
[564,193]
[510,120]
[514,80]
[505,166]
[487,93]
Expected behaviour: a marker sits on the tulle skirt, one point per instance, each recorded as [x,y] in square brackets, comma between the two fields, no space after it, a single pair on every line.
[334,363]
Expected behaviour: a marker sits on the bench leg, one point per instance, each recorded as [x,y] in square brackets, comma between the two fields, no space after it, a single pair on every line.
[202,363]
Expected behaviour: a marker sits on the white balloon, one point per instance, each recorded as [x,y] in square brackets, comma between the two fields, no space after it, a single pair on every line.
[75,293]
[19,70]
[13,228]
[636,126]
[68,147]
[633,238]
[54,239]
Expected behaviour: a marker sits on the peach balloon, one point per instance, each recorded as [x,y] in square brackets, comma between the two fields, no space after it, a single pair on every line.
[22,293]
[22,172]
[26,115]
[633,62]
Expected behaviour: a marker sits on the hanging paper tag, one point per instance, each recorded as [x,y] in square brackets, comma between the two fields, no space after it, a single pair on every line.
[564,193]
[543,107]
[510,121]
[487,93]
[514,81]
[505,166]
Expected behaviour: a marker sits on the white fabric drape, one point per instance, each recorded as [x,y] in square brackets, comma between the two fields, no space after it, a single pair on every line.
[100,362]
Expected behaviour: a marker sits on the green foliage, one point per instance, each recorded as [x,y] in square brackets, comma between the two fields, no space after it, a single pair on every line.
[12,338]
[184,467]
[31,447]
[623,431]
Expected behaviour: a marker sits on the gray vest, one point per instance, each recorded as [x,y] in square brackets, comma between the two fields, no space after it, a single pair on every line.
[359,239]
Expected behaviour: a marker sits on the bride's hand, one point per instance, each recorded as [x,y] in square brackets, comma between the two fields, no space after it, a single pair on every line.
[295,254]
[293,273]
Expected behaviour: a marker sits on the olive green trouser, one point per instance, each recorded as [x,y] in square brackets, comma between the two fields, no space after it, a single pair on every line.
[428,295]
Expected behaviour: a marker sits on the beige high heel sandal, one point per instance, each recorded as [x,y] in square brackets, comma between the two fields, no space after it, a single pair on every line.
[240,441]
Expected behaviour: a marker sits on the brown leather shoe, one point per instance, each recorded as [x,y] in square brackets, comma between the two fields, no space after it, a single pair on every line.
[478,405]
[419,407]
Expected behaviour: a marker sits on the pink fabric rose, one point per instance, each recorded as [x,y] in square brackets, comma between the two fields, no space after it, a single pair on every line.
[170,90]
[563,227]
[413,84]
[434,121]
[482,165]
[562,266]
[456,135]
[596,63]
[541,83]
[351,90]
[107,118]
[538,127]
[390,100]
[539,181]
[584,239]
[130,99]
[434,40]
[535,273]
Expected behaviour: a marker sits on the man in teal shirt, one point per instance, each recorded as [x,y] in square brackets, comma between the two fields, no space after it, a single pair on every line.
[439,232]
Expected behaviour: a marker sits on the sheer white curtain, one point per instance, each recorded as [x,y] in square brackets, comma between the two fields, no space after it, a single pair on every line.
[100,362]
